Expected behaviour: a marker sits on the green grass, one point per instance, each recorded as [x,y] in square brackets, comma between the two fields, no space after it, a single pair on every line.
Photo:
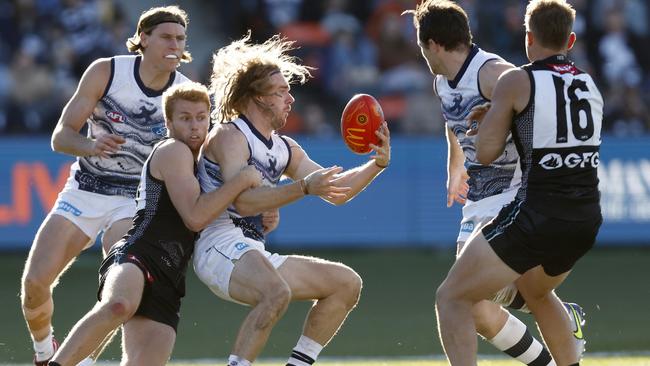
[394,318]
[589,361]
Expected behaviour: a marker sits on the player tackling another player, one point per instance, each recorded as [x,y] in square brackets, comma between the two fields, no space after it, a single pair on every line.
[119,98]
[554,112]
[142,279]
[251,87]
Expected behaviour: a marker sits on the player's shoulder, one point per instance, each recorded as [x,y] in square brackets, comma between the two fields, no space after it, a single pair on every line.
[226,136]
[289,140]
[172,149]
[100,67]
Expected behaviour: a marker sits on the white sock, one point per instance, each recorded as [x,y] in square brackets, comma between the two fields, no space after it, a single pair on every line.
[515,340]
[44,349]
[238,361]
[305,353]
[86,362]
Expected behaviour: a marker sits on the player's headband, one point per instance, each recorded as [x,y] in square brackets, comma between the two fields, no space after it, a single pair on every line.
[154,23]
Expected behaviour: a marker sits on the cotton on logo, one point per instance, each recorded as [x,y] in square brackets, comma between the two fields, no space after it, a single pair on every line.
[553,161]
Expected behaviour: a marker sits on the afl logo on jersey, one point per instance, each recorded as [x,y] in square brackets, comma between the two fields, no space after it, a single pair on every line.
[553,161]
[115,117]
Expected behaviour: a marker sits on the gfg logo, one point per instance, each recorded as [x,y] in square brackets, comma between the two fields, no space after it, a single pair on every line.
[553,161]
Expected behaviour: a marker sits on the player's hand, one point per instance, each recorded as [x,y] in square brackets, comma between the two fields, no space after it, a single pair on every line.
[106,144]
[457,188]
[270,220]
[475,117]
[382,152]
[251,176]
[323,182]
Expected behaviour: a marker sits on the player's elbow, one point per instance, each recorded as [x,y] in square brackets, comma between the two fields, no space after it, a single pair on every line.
[484,160]
[55,142]
[195,224]
[485,157]
[339,201]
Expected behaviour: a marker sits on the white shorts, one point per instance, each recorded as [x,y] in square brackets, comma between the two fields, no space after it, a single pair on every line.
[216,253]
[92,212]
[478,213]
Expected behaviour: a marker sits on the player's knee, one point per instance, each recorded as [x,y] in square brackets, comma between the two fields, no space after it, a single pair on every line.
[274,303]
[33,287]
[119,309]
[352,288]
[487,317]
[443,294]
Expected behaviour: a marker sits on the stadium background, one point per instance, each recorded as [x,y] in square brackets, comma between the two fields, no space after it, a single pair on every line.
[398,234]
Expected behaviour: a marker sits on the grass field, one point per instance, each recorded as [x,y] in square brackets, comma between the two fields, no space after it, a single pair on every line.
[589,361]
[394,318]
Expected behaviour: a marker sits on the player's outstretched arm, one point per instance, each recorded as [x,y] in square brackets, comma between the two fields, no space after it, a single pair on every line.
[510,96]
[229,148]
[357,179]
[173,163]
[66,138]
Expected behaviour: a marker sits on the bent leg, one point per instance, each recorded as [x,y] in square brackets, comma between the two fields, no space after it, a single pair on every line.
[256,282]
[121,297]
[477,274]
[56,244]
[335,287]
[146,342]
[551,316]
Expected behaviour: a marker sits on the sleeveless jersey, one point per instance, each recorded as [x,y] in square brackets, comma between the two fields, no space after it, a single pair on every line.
[270,156]
[159,230]
[457,98]
[558,139]
[131,110]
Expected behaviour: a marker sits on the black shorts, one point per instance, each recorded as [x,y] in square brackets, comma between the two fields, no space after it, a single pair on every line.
[524,238]
[161,299]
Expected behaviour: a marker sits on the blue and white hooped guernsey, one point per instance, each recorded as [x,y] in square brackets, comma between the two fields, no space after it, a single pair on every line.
[458,97]
[131,110]
[270,156]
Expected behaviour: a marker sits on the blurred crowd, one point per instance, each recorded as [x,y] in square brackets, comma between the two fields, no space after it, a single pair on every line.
[354,46]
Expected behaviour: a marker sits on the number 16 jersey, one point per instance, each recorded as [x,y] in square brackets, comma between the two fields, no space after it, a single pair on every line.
[558,140]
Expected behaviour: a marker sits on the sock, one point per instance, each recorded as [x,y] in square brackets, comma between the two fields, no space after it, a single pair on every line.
[45,348]
[86,362]
[515,340]
[305,353]
[238,361]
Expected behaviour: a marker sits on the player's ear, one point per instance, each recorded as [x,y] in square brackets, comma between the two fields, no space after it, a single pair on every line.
[143,40]
[572,41]
[529,38]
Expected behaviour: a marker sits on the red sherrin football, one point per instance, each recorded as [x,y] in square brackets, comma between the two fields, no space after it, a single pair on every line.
[360,119]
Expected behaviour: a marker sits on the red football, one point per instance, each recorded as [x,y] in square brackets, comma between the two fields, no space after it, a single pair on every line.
[360,119]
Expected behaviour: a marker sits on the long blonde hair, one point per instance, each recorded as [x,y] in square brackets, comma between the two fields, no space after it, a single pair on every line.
[241,71]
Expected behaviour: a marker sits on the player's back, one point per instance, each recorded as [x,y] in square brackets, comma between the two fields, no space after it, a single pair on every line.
[458,97]
[559,139]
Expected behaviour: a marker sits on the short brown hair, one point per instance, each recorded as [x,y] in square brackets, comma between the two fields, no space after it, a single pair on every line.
[550,21]
[190,91]
[151,18]
[444,22]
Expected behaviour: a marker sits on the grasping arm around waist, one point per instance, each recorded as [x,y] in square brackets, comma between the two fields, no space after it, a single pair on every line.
[66,137]
[173,163]
[228,147]
[510,96]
